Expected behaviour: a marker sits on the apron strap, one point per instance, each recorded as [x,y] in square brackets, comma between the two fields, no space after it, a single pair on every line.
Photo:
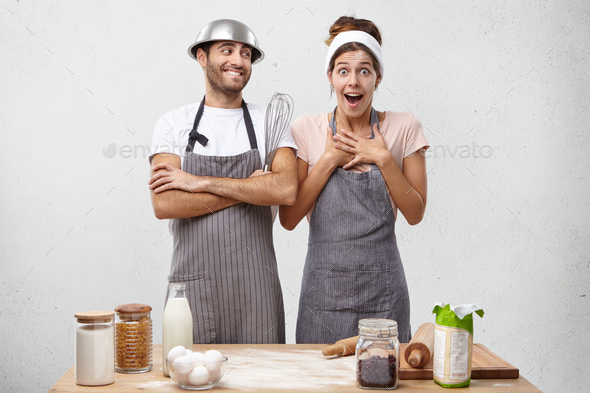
[249,126]
[194,135]
[374,120]
[202,139]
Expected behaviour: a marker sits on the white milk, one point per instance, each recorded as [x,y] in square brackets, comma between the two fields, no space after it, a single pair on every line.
[177,327]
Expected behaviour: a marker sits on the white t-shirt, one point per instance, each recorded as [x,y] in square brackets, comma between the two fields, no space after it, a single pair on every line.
[225,129]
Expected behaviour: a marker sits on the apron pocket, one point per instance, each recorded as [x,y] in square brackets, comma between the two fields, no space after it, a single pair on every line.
[356,288]
[199,294]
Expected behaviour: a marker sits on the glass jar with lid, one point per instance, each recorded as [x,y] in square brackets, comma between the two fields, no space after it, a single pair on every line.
[95,348]
[133,338]
[377,354]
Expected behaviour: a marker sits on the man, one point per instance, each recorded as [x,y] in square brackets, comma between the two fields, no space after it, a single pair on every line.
[219,199]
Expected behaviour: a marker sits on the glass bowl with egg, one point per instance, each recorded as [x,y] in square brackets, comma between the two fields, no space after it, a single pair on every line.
[198,371]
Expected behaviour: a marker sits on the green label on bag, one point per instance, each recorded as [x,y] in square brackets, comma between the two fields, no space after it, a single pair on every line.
[447,317]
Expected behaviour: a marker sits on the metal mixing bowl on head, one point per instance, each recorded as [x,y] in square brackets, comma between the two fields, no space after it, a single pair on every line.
[227,30]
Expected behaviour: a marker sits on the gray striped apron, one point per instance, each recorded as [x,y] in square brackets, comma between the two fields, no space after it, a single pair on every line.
[353,269]
[227,258]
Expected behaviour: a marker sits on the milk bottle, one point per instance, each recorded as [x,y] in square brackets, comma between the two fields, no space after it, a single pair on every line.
[177,326]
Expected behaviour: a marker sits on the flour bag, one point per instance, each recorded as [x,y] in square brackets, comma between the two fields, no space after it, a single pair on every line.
[453,344]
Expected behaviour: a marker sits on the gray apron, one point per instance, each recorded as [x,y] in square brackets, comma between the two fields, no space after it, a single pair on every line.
[227,258]
[353,268]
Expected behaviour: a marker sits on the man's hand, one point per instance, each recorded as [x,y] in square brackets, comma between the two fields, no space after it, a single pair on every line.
[173,178]
[259,172]
[178,194]
[175,203]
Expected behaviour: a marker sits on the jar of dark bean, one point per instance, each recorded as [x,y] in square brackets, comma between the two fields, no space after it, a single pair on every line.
[377,354]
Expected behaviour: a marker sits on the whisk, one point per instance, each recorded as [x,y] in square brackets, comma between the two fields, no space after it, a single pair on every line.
[278,116]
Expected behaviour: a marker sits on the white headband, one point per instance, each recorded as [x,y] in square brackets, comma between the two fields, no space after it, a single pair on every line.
[355,36]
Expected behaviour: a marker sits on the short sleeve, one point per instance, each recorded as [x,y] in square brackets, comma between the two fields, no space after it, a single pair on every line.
[415,139]
[287,139]
[163,140]
[299,136]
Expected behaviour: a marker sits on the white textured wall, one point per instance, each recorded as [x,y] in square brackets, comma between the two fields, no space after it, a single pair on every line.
[508,230]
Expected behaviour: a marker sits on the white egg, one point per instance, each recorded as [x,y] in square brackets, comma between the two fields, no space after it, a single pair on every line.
[215,374]
[199,376]
[176,352]
[188,352]
[213,360]
[183,365]
[198,358]
[180,378]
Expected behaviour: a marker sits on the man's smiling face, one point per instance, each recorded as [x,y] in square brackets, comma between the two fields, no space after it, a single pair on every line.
[228,66]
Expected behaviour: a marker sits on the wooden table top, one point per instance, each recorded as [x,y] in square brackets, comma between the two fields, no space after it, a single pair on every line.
[277,368]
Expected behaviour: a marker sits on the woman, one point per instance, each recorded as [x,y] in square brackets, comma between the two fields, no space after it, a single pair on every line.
[357,167]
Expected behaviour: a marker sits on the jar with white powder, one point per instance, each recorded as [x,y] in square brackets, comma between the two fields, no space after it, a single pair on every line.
[95,348]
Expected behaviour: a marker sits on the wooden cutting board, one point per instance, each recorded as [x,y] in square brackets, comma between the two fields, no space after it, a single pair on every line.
[485,365]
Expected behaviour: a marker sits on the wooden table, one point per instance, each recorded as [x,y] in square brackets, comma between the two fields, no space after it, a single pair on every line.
[278,368]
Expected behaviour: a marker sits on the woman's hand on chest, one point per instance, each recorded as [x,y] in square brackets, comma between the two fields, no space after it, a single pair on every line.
[364,149]
[337,157]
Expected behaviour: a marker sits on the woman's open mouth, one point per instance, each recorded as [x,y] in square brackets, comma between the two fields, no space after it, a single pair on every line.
[353,98]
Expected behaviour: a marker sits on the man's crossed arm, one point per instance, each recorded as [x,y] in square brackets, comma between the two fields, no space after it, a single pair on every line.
[178,194]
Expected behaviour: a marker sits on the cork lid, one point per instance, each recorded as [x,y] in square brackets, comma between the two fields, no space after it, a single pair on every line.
[132,308]
[94,316]
[133,311]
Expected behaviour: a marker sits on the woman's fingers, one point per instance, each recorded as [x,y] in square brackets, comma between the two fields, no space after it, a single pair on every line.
[352,163]
[377,133]
[345,142]
[359,168]
[350,135]
[345,148]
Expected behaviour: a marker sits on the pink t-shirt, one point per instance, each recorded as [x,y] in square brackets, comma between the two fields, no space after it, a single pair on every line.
[402,132]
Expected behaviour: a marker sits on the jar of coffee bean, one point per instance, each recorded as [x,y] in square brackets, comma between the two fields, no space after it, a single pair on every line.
[377,354]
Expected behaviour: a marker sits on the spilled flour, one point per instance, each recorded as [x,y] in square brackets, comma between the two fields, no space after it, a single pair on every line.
[294,369]
[157,385]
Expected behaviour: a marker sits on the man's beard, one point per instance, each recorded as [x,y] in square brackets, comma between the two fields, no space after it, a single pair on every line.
[220,86]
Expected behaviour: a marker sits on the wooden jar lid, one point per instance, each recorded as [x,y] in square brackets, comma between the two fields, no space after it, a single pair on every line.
[133,308]
[94,316]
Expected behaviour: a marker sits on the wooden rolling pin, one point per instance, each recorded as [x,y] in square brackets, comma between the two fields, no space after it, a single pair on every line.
[342,347]
[421,346]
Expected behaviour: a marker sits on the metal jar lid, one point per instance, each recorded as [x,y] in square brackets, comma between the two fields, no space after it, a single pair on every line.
[378,327]
[227,30]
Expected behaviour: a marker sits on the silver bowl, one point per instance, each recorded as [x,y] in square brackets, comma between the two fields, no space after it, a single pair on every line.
[226,30]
